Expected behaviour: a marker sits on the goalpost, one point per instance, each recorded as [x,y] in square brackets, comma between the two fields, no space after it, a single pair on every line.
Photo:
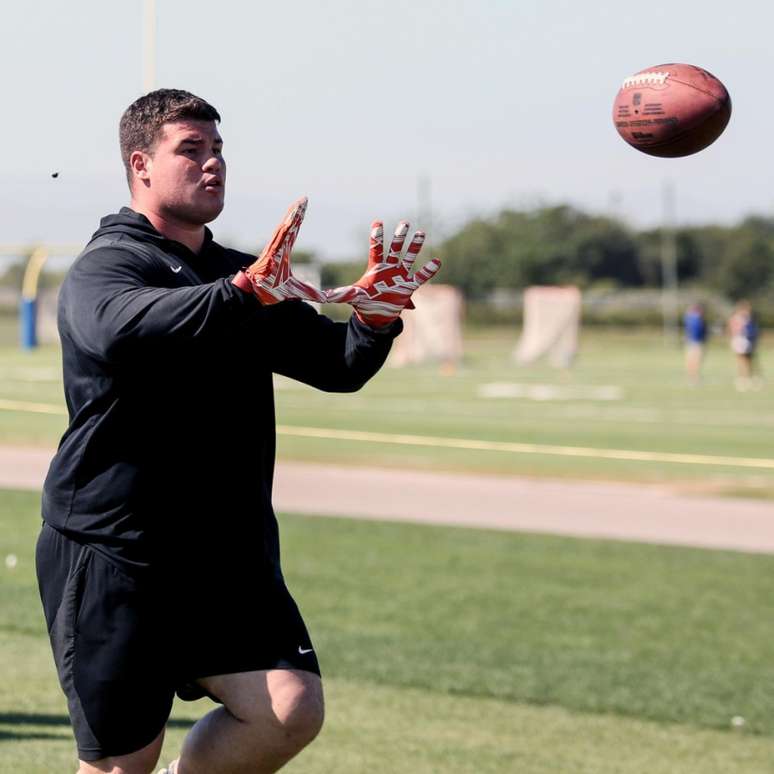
[432,331]
[551,325]
[37,306]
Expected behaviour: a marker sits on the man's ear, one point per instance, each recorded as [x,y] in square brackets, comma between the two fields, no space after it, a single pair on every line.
[140,164]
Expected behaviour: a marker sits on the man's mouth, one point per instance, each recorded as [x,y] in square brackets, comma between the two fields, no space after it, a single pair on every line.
[213,184]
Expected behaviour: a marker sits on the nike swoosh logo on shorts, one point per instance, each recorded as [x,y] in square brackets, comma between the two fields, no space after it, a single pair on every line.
[176,269]
[303,652]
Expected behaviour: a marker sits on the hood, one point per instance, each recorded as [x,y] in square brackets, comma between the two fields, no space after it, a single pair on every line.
[127,221]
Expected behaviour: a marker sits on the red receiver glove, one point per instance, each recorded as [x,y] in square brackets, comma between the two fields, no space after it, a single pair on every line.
[270,277]
[384,291]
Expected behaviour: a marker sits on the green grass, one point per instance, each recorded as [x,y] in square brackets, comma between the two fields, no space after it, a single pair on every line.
[658,412]
[454,650]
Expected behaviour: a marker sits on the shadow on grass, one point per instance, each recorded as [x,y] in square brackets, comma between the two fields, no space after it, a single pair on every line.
[32,719]
[26,719]
[18,736]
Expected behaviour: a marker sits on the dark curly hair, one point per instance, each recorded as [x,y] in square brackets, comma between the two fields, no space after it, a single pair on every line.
[142,120]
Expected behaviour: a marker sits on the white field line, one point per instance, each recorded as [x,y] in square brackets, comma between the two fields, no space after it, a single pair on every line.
[32,375]
[525,448]
[33,408]
[557,412]
[550,392]
[469,443]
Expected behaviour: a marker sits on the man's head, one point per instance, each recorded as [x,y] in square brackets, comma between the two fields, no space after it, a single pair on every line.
[172,153]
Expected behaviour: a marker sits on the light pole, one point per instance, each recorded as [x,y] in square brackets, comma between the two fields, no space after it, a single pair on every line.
[149,46]
[669,298]
[425,207]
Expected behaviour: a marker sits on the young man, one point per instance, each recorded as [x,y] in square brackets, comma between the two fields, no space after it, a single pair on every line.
[158,561]
[743,333]
[696,332]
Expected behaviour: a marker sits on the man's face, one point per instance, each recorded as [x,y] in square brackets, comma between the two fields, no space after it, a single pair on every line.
[186,172]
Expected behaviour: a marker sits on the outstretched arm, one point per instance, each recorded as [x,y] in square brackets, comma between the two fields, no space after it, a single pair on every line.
[116,306]
[342,357]
[328,355]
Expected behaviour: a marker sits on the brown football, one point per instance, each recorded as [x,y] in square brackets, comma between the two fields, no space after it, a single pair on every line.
[671,110]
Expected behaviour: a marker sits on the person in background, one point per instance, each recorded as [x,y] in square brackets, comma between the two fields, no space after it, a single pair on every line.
[743,333]
[695,327]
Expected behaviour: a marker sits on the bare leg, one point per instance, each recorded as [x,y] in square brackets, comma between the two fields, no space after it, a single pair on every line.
[694,354]
[140,762]
[744,372]
[267,717]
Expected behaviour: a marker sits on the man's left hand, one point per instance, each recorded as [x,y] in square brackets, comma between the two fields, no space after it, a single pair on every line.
[385,289]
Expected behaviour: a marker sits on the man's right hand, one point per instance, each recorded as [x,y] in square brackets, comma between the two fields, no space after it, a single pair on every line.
[270,277]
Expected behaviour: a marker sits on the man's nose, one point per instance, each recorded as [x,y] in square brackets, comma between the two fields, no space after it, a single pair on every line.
[213,164]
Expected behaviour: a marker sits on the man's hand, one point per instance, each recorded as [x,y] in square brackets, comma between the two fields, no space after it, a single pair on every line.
[384,291]
[270,277]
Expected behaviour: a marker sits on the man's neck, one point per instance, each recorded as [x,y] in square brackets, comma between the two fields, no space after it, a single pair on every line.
[192,236]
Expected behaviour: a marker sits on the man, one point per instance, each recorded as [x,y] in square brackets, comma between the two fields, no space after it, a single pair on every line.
[695,327]
[743,333]
[158,561]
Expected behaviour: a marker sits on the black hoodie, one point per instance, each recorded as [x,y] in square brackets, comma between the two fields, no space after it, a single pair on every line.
[169,452]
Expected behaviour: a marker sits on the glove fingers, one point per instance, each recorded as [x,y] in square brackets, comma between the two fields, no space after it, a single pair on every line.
[295,214]
[398,238]
[413,249]
[427,272]
[284,236]
[376,245]
[293,221]
[283,268]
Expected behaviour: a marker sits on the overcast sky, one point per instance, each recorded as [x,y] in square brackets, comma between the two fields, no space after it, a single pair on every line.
[351,102]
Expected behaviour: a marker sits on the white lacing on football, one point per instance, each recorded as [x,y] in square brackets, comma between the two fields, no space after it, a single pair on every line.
[645,79]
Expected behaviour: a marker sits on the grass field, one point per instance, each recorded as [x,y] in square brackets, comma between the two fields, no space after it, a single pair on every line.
[451,650]
[454,650]
[651,409]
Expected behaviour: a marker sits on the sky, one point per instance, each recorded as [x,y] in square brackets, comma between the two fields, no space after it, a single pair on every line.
[433,111]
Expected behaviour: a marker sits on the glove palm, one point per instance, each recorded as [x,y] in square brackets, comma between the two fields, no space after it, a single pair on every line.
[270,277]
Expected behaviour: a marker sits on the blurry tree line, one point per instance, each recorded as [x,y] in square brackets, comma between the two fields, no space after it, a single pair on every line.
[564,245]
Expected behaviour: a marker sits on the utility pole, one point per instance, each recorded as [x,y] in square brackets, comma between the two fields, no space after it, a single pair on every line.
[669,298]
[425,208]
[149,46]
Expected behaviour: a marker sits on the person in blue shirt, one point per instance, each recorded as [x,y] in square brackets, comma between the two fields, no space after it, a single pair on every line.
[695,327]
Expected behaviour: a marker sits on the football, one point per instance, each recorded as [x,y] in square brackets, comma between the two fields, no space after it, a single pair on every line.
[671,110]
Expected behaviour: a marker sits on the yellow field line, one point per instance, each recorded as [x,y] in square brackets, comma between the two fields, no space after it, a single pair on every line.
[34,408]
[525,448]
[469,443]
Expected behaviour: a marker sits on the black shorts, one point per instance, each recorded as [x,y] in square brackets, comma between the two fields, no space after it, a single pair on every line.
[121,653]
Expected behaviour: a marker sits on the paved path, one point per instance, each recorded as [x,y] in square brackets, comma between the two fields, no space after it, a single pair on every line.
[618,511]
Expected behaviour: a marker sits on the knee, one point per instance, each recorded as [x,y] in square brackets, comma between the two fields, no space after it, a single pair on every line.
[278,713]
[299,712]
[141,762]
[145,764]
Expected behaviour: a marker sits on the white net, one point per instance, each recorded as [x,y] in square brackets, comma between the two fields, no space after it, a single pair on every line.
[432,332]
[47,329]
[551,325]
